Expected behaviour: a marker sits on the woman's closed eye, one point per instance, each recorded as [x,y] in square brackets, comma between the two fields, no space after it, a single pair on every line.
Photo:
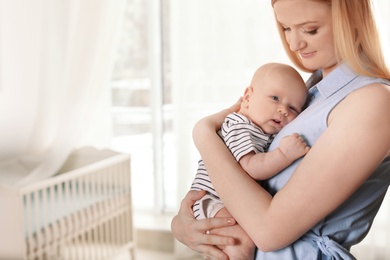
[311,32]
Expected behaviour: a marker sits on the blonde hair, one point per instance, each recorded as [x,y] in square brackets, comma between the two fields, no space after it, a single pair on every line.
[356,38]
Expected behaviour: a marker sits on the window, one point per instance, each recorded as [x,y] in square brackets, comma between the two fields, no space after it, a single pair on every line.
[141,104]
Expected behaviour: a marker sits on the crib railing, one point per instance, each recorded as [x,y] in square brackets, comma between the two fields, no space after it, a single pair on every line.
[81,214]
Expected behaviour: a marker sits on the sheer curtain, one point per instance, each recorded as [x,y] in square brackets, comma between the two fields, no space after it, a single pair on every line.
[56,59]
[215,48]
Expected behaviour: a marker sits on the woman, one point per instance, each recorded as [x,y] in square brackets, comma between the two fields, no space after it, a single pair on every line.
[325,203]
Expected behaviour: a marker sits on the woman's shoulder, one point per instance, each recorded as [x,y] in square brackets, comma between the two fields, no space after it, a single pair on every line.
[373,92]
[371,101]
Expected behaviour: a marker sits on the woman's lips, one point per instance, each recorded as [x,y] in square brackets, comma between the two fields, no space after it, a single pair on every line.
[307,55]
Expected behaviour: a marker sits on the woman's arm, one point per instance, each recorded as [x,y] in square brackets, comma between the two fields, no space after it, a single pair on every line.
[329,173]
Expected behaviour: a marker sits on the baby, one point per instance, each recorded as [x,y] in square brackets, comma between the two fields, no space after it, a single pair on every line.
[275,97]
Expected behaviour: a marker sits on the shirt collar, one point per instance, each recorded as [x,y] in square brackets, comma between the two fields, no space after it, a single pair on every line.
[336,80]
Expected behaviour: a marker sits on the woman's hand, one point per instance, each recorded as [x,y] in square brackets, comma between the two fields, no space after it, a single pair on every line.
[198,234]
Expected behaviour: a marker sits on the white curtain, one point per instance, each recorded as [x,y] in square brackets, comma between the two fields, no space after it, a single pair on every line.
[56,60]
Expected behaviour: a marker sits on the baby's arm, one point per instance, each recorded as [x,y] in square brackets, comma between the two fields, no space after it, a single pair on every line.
[261,166]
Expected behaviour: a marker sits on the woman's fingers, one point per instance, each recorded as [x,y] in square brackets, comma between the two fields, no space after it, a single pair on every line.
[212,252]
[199,234]
[207,227]
[190,198]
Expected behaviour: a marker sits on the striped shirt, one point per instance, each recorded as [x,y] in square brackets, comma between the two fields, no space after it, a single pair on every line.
[241,136]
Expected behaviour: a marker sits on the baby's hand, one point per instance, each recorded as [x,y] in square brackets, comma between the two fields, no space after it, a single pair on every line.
[293,146]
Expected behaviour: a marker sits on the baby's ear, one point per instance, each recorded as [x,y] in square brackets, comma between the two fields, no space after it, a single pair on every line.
[245,98]
[248,91]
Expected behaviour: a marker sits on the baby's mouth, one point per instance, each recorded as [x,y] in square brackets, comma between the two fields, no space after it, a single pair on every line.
[277,122]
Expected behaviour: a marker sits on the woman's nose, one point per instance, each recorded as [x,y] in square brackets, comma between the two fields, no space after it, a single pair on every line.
[295,41]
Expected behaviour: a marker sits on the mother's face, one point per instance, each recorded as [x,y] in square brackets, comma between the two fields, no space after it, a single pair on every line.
[308,30]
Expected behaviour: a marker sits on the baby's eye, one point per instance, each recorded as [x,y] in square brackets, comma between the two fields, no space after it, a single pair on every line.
[275,98]
[296,111]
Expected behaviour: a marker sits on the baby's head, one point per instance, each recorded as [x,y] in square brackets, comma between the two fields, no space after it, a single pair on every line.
[275,97]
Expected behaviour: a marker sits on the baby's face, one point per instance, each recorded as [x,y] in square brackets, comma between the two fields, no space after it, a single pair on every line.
[276,102]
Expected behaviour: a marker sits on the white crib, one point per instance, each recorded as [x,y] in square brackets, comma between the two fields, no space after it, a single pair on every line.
[84,212]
